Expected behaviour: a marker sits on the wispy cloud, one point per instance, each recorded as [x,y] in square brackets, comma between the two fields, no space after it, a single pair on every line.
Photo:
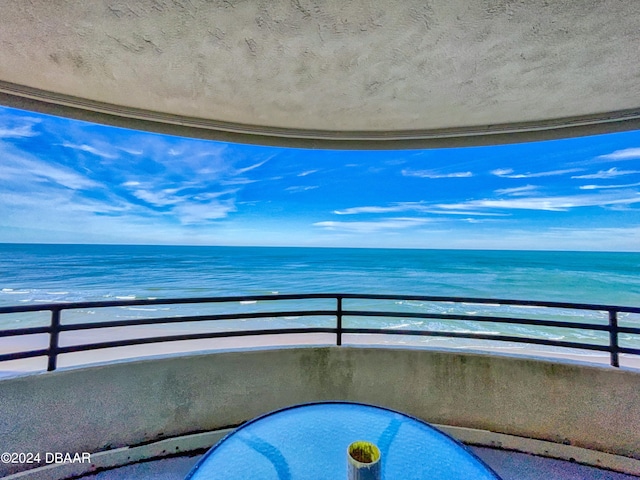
[508,173]
[398,207]
[158,199]
[624,154]
[90,149]
[131,151]
[175,181]
[476,213]
[553,203]
[196,213]
[308,172]
[32,174]
[300,188]
[240,171]
[599,187]
[21,131]
[238,181]
[373,226]
[497,206]
[434,174]
[517,191]
[604,174]
[420,207]
[17,126]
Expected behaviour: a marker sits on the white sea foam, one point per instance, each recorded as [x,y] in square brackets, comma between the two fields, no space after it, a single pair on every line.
[531,307]
[248,302]
[126,297]
[483,304]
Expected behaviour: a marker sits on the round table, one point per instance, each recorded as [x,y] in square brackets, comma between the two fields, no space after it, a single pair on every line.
[310,441]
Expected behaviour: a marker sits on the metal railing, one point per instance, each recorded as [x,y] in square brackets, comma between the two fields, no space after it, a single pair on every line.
[56,326]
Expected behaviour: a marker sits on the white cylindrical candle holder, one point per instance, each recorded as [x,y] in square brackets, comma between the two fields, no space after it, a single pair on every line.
[363,460]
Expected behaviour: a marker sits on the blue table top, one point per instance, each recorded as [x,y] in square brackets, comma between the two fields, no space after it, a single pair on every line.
[310,441]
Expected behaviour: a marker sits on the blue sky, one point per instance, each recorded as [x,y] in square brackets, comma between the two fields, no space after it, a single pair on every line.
[65,181]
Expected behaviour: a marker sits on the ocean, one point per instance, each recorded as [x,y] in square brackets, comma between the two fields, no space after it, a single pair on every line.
[38,273]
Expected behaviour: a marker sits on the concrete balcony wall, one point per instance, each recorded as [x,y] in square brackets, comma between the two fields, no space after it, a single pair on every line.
[328,73]
[131,403]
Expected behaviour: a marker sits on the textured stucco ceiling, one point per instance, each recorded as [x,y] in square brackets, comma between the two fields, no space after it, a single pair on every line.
[329,73]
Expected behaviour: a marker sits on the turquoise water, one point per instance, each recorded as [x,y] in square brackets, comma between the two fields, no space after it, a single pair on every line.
[39,273]
[32,274]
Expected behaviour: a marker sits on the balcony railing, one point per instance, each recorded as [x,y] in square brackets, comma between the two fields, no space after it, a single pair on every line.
[364,306]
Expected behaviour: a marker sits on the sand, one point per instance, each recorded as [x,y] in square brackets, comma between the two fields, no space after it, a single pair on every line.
[33,342]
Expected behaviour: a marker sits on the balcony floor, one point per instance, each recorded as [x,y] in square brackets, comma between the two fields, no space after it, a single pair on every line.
[509,465]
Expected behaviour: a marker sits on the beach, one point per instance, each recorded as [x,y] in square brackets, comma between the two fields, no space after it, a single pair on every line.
[140,352]
[51,274]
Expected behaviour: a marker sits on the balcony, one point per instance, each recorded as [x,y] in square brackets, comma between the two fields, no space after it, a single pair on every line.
[573,415]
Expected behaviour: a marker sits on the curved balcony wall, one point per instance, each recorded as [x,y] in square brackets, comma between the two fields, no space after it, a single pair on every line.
[105,407]
[329,74]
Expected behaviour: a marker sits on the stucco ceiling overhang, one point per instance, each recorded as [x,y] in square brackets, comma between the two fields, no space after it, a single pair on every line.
[329,73]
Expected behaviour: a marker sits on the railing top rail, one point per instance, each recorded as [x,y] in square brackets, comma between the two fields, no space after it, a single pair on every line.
[276,297]
[338,310]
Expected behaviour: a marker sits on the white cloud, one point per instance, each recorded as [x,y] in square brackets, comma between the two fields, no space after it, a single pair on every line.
[433,174]
[373,226]
[21,131]
[557,204]
[410,207]
[466,212]
[13,126]
[240,171]
[502,172]
[90,149]
[508,173]
[517,191]
[400,207]
[158,199]
[212,195]
[28,173]
[131,151]
[65,177]
[598,187]
[626,154]
[298,189]
[237,181]
[196,213]
[604,174]
[308,172]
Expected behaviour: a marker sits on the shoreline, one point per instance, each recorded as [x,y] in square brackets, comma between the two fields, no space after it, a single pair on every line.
[140,352]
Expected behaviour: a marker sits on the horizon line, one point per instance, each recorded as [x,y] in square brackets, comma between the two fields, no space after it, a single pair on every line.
[319,247]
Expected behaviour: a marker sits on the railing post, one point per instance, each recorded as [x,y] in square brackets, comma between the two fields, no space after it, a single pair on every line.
[339,321]
[53,340]
[613,337]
